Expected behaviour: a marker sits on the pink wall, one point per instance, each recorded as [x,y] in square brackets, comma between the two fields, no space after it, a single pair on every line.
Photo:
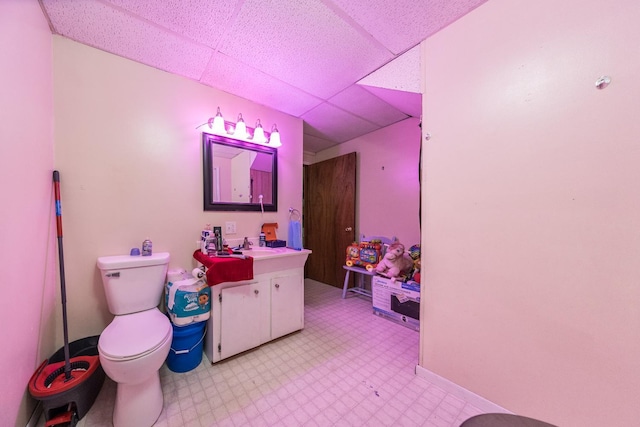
[138,172]
[387,195]
[531,220]
[27,248]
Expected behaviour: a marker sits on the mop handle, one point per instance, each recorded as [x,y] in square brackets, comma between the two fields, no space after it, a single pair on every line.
[63,289]
[56,190]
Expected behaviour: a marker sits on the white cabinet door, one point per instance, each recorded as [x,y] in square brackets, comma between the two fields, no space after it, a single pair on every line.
[244,318]
[287,305]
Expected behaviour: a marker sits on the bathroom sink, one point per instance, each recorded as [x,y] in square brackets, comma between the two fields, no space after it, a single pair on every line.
[265,253]
[260,252]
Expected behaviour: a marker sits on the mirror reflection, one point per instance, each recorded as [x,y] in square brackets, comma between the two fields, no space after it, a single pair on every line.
[239,175]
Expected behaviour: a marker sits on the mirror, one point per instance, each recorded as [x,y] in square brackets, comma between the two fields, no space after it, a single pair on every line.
[237,173]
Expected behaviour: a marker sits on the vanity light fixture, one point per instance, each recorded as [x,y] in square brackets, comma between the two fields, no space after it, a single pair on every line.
[239,130]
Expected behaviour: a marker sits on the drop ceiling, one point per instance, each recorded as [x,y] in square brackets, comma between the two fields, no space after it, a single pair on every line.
[346,67]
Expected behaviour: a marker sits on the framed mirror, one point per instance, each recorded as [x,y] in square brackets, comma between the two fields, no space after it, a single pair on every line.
[239,175]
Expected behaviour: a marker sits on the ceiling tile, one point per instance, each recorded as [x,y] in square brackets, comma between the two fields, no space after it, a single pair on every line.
[409,103]
[403,73]
[365,104]
[318,51]
[402,24]
[201,21]
[117,32]
[321,122]
[290,55]
[229,75]
[313,144]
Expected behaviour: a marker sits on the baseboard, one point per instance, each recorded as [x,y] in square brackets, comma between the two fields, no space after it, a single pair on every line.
[450,387]
[35,416]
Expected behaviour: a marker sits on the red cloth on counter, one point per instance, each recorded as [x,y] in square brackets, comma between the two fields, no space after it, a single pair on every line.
[220,269]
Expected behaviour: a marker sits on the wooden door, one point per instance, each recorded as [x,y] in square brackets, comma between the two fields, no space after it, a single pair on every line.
[329,217]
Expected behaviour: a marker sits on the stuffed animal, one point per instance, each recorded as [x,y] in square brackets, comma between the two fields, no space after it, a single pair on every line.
[396,261]
[416,271]
[414,251]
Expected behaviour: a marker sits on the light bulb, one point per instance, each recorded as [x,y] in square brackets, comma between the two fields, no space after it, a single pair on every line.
[241,128]
[274,140]
[218,123]
[258,133]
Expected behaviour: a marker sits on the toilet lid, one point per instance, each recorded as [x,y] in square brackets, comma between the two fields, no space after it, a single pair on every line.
[133,335]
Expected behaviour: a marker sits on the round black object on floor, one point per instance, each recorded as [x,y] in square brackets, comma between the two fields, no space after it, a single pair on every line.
[503,420]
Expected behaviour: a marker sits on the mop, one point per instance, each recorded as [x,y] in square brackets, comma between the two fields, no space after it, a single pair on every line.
[52,381]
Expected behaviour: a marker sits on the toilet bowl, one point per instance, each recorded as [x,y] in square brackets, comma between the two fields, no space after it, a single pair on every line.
[132,348]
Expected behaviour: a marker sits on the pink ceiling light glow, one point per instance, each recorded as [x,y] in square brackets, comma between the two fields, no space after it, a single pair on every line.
[239,130]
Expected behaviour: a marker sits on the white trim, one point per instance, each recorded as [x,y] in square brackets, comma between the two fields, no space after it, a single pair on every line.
[453,388]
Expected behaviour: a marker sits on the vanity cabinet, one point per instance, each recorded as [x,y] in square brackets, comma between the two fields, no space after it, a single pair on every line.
[287,305]
[247,314]
[244,311]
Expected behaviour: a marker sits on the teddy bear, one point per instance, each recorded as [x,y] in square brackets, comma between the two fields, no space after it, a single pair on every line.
[396,261]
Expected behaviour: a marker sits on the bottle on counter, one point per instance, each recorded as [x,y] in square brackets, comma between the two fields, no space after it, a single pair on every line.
[210,246]
[217,232]
[218,239]
[206,232]
[147,247]
[263,240]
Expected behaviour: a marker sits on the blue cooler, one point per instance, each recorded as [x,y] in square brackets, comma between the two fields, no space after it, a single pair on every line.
[186,347]
[187,301]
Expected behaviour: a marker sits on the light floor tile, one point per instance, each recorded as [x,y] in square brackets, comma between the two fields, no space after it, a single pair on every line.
[347,367]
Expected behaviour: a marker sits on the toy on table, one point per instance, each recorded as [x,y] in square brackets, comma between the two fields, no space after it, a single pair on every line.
[414,252]
[396,262]
[364,254]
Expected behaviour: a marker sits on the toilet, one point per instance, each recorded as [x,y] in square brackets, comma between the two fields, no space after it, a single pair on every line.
[133,347]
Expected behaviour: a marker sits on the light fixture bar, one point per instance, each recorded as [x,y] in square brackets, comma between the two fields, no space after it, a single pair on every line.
[239,130]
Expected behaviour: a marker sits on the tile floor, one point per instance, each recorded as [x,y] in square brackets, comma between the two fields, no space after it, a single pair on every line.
[347,367]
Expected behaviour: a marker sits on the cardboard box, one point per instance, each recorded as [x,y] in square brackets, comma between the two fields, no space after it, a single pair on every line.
[396,301]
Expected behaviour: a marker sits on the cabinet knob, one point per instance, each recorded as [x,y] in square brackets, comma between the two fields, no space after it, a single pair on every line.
[277,285]
[256,292]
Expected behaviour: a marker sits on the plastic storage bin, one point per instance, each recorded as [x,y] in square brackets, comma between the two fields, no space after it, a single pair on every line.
[186,347]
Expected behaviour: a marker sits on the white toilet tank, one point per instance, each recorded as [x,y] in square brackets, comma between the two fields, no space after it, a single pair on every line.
[133,283]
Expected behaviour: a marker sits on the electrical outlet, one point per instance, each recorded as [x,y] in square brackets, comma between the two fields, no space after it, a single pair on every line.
[230,227]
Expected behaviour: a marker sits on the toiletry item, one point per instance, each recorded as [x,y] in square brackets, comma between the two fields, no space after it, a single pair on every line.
[135,252]
[219,244]
[263,238]
[206,232]
[147,247]
[246,244]
[217,232]
[210,245]
[228,255]
[276,243]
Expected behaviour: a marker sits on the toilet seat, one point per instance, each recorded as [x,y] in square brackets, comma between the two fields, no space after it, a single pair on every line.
[131,336]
